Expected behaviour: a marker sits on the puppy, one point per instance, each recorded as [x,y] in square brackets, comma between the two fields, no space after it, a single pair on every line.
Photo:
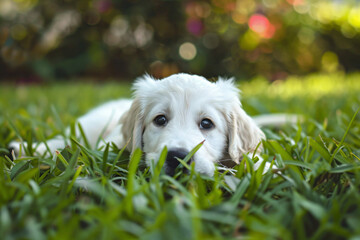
[178,112]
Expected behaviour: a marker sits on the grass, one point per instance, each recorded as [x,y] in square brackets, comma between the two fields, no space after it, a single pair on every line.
[82,193]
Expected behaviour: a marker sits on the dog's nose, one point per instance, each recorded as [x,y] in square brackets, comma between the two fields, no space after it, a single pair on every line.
[172,159]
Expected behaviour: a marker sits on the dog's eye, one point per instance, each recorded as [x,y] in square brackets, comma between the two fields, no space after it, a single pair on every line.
[160,120]
[206,124]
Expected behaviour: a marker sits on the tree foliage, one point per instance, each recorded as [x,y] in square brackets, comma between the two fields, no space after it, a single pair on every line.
[125,38]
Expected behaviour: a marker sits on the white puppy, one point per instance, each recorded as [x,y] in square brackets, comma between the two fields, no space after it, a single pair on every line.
[179,112]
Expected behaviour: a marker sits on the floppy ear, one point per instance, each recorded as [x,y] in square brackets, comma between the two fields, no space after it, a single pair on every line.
[132,126]
[133,120]
[243,133]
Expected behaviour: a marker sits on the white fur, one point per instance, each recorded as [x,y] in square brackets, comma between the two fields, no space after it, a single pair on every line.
[185,100]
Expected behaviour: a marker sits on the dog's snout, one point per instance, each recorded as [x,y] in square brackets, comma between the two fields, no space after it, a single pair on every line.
[173,155]
[172,159]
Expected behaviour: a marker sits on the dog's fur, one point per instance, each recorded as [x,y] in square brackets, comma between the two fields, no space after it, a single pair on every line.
[185,101]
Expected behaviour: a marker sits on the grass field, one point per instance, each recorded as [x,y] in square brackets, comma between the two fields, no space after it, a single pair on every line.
[97,194]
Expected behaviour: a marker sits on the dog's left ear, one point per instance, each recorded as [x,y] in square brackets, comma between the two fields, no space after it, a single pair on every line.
[243,133]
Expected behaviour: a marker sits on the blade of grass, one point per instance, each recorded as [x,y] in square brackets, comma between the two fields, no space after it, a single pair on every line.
[201,192]
[84,138]
[61,158]
[58,121]
[193,151]
[344,136]
[133,165]
[240,190]
[105,159]
[29,141]
[68,173]
[184,162]
[345,168]
[117,159]
[26,175]
[18,168]
[260,173]
[76,175]
[320,149]
[240,169]
[279,149]
[160,163]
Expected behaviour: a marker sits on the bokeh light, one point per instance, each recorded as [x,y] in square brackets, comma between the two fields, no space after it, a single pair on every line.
[330,61]
[271,38]
[187,51]
[195,26]
[261,25]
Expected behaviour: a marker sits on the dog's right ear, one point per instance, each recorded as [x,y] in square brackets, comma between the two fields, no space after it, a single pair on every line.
[133,120]
[132,126]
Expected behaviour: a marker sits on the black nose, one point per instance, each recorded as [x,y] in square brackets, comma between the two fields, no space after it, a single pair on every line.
[172,159]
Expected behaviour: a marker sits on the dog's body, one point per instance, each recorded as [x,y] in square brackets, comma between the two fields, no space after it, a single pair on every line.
[179,112]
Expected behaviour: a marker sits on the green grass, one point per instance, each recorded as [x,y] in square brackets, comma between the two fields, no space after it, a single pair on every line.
[98,194]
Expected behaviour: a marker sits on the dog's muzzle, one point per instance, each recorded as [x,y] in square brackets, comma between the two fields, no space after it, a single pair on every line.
[172,162]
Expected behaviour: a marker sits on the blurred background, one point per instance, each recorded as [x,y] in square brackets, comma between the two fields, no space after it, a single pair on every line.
[47,40]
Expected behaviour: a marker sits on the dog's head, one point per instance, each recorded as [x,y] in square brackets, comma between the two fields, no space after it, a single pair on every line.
[182,111]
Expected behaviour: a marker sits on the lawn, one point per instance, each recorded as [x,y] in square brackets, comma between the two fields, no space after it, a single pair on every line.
[83,193]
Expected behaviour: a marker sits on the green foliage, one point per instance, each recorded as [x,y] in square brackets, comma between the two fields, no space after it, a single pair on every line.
[82,193]
[60,39]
